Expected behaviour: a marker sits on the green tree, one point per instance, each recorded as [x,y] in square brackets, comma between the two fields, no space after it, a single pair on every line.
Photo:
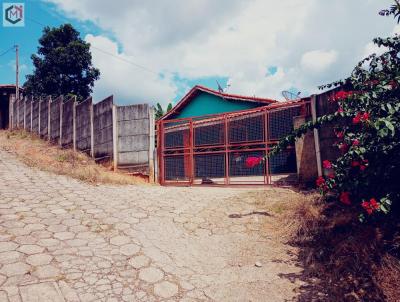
[160,111]
[63,65]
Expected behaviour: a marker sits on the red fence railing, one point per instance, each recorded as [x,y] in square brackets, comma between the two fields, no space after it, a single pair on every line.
[215,149]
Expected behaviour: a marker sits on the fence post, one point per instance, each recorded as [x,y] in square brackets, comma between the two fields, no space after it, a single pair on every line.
[31,114]
[10,112]
[61,117]
[151,144]
[115,136]
[74,124]
[24,113]
[91,131]
[316,134]
[49,119]
[39,106]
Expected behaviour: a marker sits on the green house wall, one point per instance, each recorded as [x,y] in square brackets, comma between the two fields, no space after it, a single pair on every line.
[205,103]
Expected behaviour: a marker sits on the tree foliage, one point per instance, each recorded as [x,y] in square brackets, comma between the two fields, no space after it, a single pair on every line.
[160,111]
[366,176]
[63,65]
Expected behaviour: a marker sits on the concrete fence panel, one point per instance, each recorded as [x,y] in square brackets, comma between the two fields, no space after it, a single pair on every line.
[83,126]
[44,118]
[15,114]
[55,116]
[35,116]
[28,112]
[67,123]
[133,128]
[21,113]
[103,129]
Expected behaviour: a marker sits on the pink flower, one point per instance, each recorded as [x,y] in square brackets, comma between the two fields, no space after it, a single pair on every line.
[340,110]
[356,142]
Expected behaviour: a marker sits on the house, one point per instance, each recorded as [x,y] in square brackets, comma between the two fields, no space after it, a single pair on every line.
[211,137]
[200,101]
[5,92]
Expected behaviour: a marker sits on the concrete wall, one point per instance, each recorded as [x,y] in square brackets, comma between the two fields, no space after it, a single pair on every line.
[21,113]
[103,129]
[133,128]
[327,137]
[35,116]
[83,126]
[55,116]
[43,118]
[305,155]
[28,111]
[124,135]
[67,123]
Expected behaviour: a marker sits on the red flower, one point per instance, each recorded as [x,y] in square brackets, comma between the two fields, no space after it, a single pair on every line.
[361,117]
[327,164]
[355,163]
[365,205]
[253,161]
[341,95]
[345,198]
[340,110]
[357,119]
[320,181]
[370,206]
[373,203]
[344,147]
[365,116]
[340,134]
[356,142]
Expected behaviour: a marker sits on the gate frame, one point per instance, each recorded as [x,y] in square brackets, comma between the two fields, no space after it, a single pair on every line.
[305,110]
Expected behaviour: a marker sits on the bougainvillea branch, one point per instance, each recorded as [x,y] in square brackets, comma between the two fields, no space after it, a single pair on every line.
[366,176]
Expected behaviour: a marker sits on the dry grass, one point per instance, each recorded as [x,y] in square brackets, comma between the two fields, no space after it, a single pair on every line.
[343,260]
[40,154]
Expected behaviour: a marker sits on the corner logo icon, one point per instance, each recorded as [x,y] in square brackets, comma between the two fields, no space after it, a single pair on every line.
[13,14]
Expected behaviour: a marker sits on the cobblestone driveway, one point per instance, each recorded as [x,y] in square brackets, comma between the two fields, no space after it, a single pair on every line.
[63,240]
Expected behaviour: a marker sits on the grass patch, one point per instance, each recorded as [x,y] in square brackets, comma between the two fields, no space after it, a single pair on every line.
[343,259]
[37,153]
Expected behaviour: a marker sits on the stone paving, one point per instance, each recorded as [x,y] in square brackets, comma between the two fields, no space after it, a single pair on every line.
[63,240]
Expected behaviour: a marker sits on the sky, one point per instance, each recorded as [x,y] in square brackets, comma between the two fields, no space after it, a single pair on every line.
[155,51]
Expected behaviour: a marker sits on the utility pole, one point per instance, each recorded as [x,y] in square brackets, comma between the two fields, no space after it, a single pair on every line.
[16,73]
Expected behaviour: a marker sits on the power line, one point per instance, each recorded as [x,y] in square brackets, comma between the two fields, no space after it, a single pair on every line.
[108,53]
[6,51]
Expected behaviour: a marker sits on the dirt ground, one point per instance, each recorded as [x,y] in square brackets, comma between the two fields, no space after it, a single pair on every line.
[65,240]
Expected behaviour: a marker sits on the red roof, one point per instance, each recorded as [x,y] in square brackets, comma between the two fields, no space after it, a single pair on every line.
[10,86]
[193,92]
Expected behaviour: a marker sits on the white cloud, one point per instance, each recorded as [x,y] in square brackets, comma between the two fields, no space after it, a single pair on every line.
[371,48]
[125,81]
[237,39]
[318,60]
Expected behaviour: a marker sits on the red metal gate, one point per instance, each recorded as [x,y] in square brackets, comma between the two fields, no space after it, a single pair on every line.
[215,149]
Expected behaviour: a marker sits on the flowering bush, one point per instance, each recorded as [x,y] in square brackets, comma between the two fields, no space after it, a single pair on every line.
[253,161]
[366,176]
